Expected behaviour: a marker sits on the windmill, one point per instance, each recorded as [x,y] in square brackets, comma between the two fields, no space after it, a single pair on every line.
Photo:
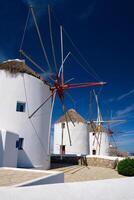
[112,134]
[98,136]
[57,83]
[101,136]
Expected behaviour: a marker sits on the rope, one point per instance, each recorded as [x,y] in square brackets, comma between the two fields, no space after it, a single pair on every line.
[90,107]
[100,90]
[24,32]
[71,98]
[93,71]
[84,67]
[40,38]
[41,106]
[51,37]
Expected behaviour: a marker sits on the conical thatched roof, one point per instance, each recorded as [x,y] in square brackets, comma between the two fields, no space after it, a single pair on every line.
[94,127]
[75,117]
[18,66]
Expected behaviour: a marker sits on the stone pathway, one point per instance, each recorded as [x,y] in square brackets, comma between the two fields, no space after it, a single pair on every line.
[81,173]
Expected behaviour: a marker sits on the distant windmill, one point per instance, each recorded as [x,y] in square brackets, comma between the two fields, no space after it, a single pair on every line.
[99,135]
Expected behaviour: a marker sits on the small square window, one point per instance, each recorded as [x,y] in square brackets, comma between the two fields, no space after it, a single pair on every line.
[94,152]
[20,107]
[19,143]
[63,125]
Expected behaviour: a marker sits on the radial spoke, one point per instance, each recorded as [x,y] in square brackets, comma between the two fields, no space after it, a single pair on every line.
[25,28]
[81,85]
[40,38]
[69,115]
[51,37]
[51,114]
[35,64]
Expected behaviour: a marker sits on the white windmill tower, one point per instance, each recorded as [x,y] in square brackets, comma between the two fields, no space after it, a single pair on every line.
[78,133]
[22,91]
[98,137]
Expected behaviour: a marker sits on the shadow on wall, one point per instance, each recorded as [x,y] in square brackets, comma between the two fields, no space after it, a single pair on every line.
[1,151]
[23,160]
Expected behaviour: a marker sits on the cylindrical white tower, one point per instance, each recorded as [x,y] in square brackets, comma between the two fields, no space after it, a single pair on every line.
[98,141]
[78,133]
[21,92]
[98,137]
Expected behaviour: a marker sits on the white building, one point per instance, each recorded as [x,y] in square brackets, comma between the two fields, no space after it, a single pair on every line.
[21,92]
[78,134]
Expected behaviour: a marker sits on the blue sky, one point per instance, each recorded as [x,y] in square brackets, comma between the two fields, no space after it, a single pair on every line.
[103,31]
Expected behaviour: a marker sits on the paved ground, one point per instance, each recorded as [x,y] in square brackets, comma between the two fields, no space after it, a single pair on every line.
[73,173]
[81,173]
[12,177]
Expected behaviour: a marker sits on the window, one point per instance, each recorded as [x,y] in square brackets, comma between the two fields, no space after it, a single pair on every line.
[63,125]
[19,143]
[20,107]
[94,152]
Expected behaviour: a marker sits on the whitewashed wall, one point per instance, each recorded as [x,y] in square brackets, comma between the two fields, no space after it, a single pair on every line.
[79,138]
[10,152]
[1,151]
[103,140]
[112,189]
[26,88]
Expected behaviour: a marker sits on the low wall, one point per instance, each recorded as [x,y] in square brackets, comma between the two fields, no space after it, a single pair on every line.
[115,189]
[105,161]
[93,160]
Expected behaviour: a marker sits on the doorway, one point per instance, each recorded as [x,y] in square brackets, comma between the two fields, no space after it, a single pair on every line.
[62,149]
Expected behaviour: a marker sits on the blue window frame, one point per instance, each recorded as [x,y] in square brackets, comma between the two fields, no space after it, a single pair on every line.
[19,143]
[20,106]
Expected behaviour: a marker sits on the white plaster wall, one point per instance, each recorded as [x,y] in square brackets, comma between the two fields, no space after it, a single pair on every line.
[103,140]
[10,152]
[79,138]
[112,189]
[1,150]
[26,88]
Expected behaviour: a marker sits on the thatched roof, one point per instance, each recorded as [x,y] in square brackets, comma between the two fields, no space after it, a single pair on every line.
[75,117]
[94,127]
[18,66]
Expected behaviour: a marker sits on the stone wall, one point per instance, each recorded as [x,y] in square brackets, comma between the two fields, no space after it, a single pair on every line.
[101,162]
[97,161]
